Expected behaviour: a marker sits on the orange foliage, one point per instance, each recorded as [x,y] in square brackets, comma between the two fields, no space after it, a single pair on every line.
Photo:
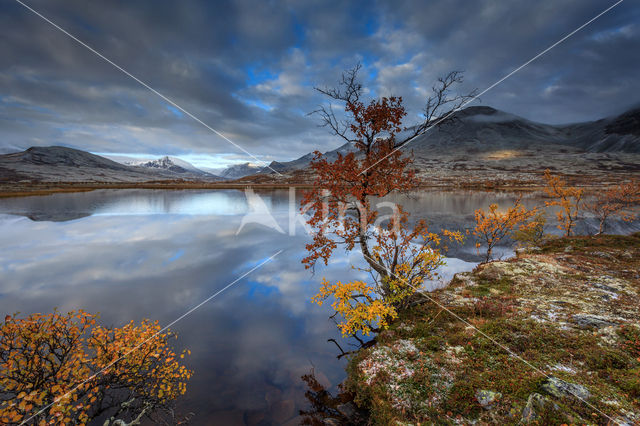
[568,198]
[493,226]
[407,257]
[399,257]
[618,200]
[53,363]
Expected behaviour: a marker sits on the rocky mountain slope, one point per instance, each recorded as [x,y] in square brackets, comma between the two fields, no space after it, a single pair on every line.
[484,129]
[549,337]
[61,164]
[240,170]
[482,144]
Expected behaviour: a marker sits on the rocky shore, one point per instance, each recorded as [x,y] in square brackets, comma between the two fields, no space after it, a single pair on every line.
[551,336]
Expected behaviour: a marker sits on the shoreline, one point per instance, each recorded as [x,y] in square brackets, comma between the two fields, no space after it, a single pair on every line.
[576,301]
[57,188]
[11,190]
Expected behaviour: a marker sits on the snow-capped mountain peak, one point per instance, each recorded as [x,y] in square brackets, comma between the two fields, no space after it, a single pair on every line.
[237,171]
[169,163]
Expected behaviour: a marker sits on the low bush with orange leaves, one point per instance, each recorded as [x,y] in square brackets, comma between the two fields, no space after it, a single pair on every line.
[568,198]
[621,200]
[409,256]
[493,225]
[65,369]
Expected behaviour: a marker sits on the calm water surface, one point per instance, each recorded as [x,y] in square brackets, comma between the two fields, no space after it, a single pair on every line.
[134,254]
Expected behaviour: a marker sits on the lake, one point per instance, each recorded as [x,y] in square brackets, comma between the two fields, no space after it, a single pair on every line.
[134,254]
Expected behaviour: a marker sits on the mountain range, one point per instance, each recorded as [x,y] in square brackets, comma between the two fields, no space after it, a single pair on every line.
[62,164]
[481,142]
[171,164]
[483,129]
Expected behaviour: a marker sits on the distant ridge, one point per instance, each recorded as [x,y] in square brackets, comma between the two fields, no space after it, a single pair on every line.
[240,170]
[479,143]
[480,129]
[62,164]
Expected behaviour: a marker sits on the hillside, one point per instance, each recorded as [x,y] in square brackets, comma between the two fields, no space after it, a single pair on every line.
[482,129]
[240,170]
[549,337]
[62,164]
[482,144]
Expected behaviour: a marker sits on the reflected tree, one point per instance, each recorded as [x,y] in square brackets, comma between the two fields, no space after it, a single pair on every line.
[326,409]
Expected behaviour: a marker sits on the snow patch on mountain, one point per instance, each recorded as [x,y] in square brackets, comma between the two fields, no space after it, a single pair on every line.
[237,171]
[173,164]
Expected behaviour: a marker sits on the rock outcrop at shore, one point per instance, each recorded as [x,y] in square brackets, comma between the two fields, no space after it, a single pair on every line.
[549,337]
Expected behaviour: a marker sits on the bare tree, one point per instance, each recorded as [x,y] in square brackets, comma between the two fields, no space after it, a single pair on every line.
[439,108]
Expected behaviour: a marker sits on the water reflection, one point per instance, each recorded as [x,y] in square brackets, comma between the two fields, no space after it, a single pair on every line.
[133,254]
[249,346]
[327,409]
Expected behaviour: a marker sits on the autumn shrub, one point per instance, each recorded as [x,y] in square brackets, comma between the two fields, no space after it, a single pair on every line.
[567,198]
[493,307]
[65,369]
[630,340]
[621,200]
[366,306]
[493,226]
[531,233]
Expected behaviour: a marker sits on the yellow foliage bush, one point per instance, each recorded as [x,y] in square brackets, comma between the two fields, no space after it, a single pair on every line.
[568,198]
[65,369]
[493,225]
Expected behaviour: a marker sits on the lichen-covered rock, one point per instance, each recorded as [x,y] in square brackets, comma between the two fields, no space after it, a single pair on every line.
[591,321]
[487,398]
[561,389]
[392,360]
[537,404]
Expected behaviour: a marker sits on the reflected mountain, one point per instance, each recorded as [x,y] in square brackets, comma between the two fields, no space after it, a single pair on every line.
[55,216]
[133,254]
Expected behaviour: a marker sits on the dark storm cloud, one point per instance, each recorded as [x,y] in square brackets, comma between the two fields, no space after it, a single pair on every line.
[248,68]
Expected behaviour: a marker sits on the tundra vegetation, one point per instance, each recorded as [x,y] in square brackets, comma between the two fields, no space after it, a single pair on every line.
[548,337]
[504,343]
[66,369]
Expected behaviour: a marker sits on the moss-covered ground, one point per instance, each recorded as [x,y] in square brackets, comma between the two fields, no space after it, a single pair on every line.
[549,337]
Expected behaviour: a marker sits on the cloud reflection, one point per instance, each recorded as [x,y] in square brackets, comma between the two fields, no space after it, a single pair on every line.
[249,346]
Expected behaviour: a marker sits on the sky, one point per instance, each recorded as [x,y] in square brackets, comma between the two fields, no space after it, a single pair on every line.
[248,68]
